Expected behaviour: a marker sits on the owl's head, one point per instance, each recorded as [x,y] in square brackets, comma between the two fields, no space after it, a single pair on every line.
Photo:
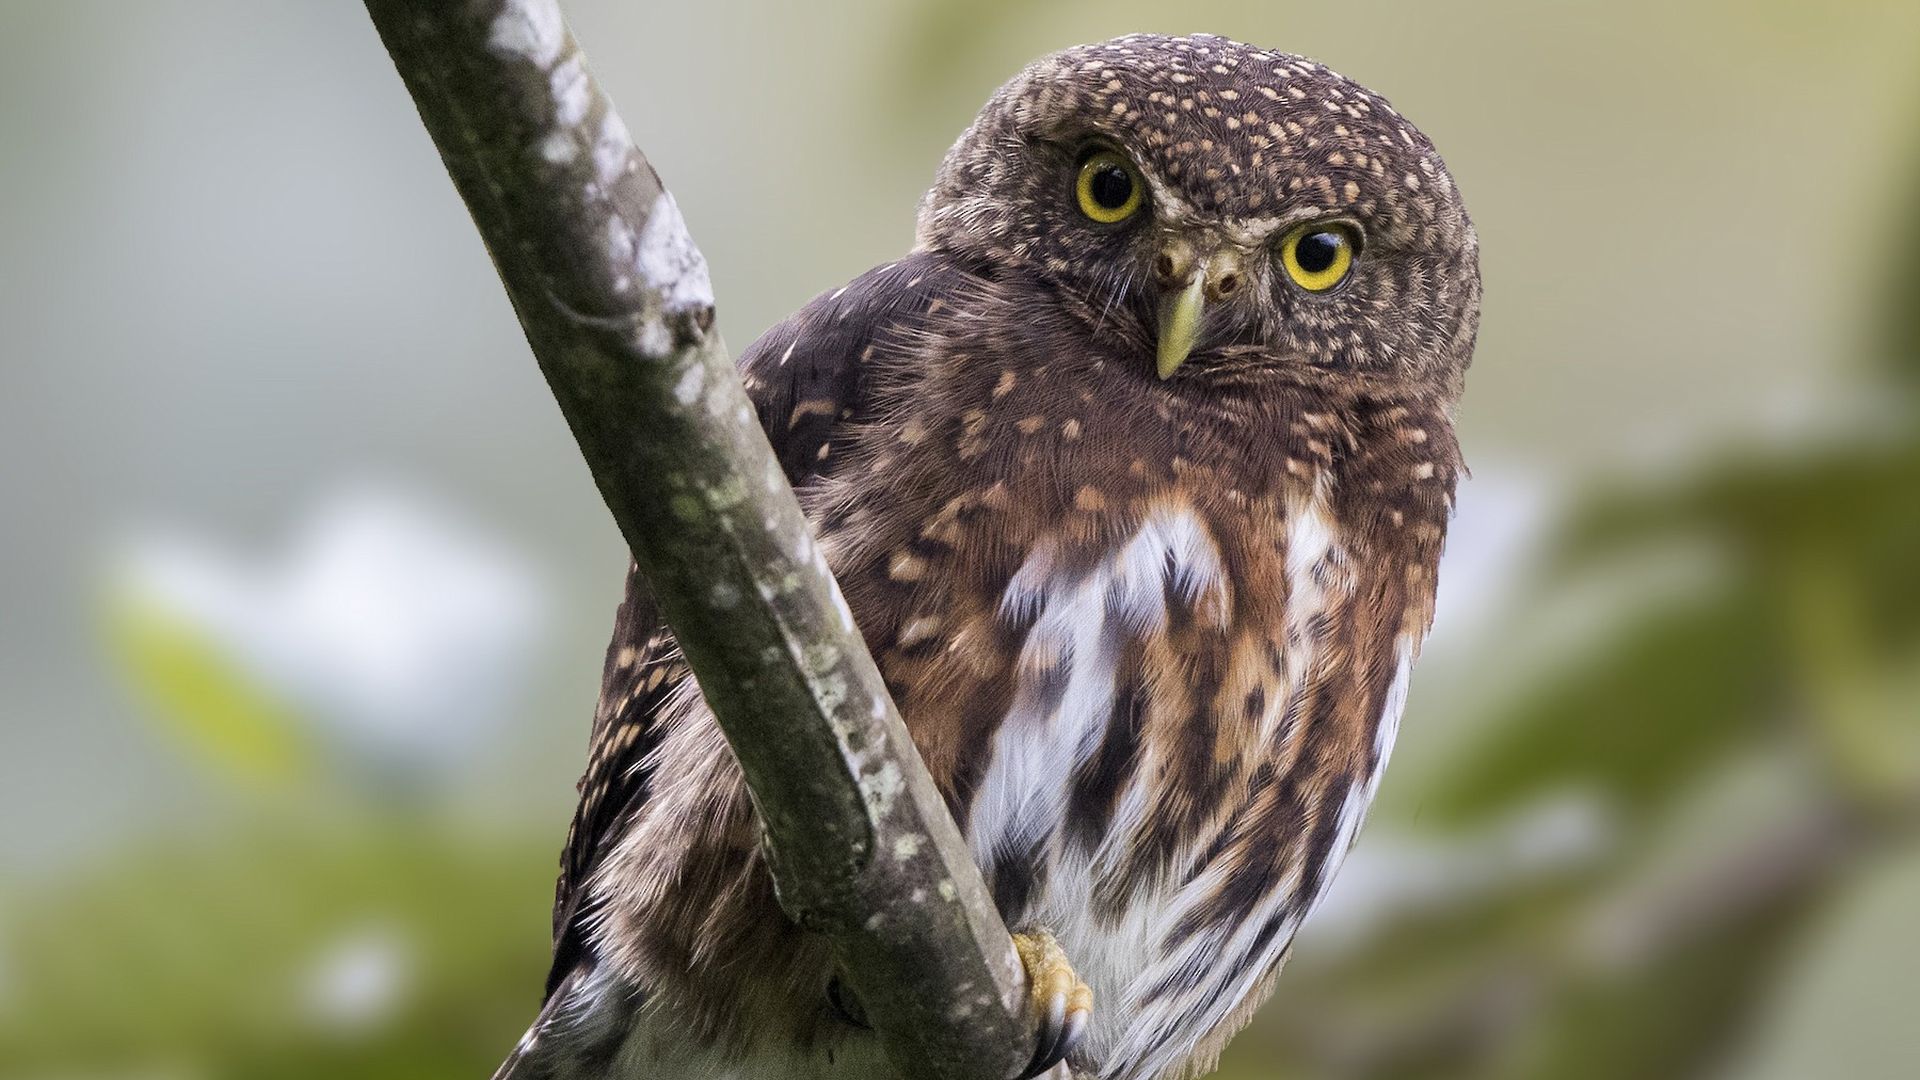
[1226,207]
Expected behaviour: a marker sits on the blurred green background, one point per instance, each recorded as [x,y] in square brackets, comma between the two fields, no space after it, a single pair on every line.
[304,586]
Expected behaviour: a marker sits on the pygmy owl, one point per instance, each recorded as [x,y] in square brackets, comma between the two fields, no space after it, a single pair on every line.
[1134,473]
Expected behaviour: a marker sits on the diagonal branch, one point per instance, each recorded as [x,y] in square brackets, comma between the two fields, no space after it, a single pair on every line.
[615,301]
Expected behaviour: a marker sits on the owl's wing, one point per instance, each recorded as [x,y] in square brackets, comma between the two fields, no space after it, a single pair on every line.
[807,378]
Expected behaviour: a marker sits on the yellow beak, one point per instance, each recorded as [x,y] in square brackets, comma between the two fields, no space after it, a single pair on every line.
[1180,323]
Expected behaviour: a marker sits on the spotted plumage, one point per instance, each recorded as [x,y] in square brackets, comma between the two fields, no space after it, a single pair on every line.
[1147,596]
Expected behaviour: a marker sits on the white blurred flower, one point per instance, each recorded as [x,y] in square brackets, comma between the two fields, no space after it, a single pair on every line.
[360,979]
[403,632]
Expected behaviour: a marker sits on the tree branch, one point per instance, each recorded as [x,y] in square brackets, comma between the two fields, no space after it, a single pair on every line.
[615,301]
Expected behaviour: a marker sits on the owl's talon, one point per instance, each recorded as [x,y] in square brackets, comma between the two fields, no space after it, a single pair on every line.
[1065,1004]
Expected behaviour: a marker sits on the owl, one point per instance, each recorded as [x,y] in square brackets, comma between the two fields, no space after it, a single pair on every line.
[1134,472]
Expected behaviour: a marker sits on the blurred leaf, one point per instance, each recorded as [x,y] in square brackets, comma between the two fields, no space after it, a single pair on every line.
[1634,721]
[1432,996]
[1678,685]
[1676,1017]
[202,696]
[1852,502]
[210,959]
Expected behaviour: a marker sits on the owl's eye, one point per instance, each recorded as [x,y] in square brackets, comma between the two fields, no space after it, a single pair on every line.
[1108,188]
[1318,257]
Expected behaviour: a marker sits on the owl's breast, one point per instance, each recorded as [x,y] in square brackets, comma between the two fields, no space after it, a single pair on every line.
[1104,689]
[1152,647]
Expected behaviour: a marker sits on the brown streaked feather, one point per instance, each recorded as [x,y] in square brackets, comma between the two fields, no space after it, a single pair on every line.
[642,668]
[1252,712]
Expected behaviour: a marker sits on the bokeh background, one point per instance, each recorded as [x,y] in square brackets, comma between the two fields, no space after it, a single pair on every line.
[304,587]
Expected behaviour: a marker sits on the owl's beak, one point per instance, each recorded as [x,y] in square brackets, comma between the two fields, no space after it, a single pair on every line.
[1211,277]
[1180,324]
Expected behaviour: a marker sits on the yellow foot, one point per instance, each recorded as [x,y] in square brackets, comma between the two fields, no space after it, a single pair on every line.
[1065,1004]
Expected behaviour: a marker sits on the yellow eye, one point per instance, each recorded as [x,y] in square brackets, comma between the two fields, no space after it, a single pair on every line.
[1108,189]
[1318,257]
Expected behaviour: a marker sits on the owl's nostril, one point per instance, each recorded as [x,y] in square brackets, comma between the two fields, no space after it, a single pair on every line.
[1227,284]
[1163,266]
